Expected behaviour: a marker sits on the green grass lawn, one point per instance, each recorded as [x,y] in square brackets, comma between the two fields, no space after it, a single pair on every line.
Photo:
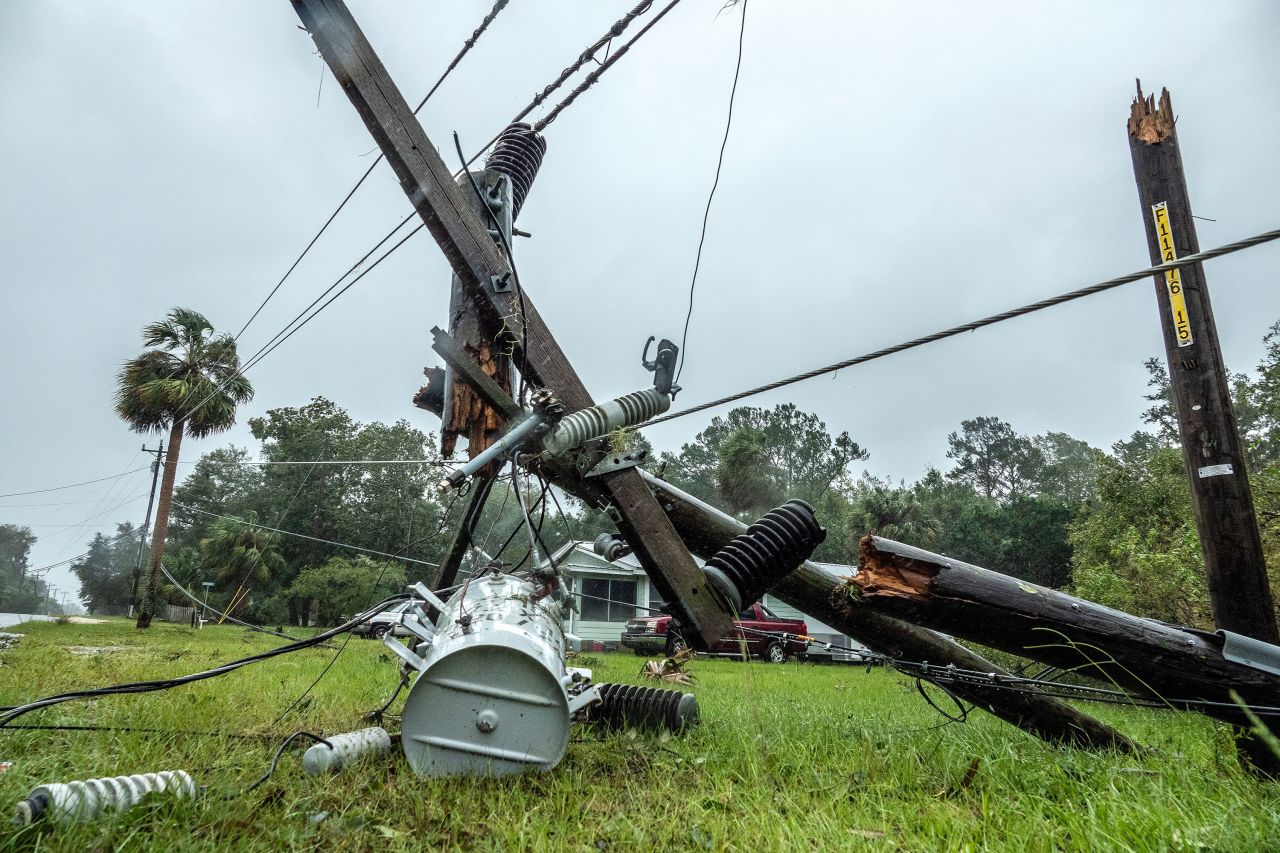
[788,757]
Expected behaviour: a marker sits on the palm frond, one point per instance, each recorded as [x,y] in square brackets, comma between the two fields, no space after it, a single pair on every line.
[190,368]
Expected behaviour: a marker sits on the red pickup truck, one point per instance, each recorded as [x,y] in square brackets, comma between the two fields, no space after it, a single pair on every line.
[652,635]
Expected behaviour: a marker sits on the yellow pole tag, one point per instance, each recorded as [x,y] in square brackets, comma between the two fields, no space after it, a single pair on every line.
[1172,279]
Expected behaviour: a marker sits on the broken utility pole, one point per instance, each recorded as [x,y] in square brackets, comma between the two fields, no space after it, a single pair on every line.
[820,592]
[1179,667]
[1216,465]
[486,277]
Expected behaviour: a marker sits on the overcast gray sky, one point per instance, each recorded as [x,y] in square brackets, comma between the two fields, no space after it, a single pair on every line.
[894,168]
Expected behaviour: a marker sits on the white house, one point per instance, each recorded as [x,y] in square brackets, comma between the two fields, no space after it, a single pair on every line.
[610,593]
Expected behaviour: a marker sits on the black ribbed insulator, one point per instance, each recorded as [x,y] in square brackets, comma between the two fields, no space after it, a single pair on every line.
[633,706]
[518,155]
[769,550]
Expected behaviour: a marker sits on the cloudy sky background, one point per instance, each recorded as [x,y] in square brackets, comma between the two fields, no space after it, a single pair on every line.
[894,168]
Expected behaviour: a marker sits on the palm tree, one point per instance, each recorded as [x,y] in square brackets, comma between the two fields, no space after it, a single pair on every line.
[190,384]
[241,554]
[896,514]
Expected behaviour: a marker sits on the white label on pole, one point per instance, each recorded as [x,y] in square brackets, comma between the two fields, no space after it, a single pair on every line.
[1216,470]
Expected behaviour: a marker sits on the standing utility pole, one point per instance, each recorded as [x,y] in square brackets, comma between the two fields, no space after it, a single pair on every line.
[146,522]
[1220,493]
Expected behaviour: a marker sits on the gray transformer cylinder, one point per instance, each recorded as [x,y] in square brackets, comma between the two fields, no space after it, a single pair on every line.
[491,698]
[596,421]
[344,749]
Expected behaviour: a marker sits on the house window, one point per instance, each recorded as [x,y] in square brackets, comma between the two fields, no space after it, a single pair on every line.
[655,600]
[619,605]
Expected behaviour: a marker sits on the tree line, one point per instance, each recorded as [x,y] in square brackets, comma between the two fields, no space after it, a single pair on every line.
[21,590]
[1114,526]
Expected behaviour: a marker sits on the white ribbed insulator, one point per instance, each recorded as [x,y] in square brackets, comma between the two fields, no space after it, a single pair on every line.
[597,421]
[344,749]
[71,801]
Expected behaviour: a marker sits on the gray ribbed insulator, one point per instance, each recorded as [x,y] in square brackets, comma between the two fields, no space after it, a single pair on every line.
[765,553]
[630,705]
[345,748]
[71,801]
[596,421]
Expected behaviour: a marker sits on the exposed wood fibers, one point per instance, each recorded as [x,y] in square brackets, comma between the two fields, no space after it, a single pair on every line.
[1148,122]
[881,573]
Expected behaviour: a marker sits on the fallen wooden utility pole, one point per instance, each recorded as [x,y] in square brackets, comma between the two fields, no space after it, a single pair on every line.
[1216,466]
[486,278]
[1179,667]
[822,594]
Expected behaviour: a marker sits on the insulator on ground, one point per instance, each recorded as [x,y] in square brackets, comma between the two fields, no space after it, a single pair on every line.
[766,552]
[630,705]
[344,749]
[65,802]
[518,154]
[596,421]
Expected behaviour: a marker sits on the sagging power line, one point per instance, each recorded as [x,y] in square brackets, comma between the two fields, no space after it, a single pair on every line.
[1189,260]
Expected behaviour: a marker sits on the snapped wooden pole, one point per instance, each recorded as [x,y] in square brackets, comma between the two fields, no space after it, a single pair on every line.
[822,593]
[1180,667]
[485,276]
[1216,466]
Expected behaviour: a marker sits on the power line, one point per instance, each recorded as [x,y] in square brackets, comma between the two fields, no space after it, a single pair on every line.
[205,604]
[277,340]
[334,298]
[303,536]
[978,324]
[498,6]
[706,214]
[430,462]
[113,539]
[74,485]
[619,26]
[167,683]
[591,79]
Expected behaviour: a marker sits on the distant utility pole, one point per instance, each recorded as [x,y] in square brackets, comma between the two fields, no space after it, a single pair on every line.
[1225,517]
[146,523]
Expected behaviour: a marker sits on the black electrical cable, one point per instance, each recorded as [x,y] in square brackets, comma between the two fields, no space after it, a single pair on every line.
[338,653]
[270,347]
[275,759]
[198,603]
[498,6]
[617,29]
[75,485]
[135,730]
[304,536]
[564,519]
[964,711]
[706,213]
[376,715]
[535,536]
[267,348]
[519,526]
[167,683]
[1051,302]
[591,79]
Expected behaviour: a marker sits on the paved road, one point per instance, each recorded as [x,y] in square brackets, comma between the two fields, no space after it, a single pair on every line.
[8,620]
